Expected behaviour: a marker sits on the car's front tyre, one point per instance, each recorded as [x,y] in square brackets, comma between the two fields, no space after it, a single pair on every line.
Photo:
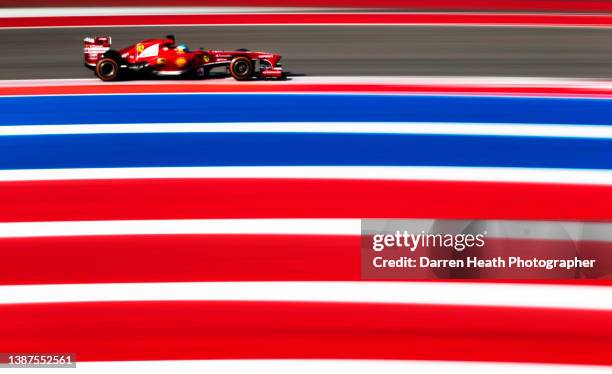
[242,68]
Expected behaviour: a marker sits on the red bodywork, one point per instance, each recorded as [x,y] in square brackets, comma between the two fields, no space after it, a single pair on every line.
[162,57]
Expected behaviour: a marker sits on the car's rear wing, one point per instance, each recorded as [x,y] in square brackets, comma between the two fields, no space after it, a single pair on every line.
[94,47]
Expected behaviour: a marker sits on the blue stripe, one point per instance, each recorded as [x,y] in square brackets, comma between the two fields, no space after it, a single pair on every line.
[291,108]
[247,149]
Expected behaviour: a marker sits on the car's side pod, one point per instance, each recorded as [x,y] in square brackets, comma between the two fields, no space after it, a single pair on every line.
[115,55]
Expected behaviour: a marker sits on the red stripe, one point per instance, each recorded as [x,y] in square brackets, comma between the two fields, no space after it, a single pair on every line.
[98,331]
[297,198]
[515,5]
[200,258]
[592,20]
[178,258]
[266,87]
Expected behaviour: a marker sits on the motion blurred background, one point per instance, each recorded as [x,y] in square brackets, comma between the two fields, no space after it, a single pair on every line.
[437,46]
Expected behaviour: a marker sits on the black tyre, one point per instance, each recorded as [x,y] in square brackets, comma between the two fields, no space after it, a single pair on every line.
[107,69]
[242,68]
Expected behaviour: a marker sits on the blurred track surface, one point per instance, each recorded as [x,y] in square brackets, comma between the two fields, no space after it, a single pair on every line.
[340,50]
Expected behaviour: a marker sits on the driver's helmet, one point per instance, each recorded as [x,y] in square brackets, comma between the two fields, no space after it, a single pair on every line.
[182,48]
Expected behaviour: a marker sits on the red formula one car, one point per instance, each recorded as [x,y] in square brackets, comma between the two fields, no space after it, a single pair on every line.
[162,57]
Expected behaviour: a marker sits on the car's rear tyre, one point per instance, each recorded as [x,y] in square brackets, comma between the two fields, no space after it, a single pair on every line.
[107,69]
[242,68]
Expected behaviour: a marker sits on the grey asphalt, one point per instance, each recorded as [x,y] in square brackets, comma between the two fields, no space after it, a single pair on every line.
[340,50]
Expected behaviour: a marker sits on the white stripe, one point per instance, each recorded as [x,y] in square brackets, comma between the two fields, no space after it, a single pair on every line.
[324,366]
[54,12]
[478,81]
[468,174]
[327,93]
[159,10]
[531,230]
[178,10]
[187,226]
[439,293]
[493,129]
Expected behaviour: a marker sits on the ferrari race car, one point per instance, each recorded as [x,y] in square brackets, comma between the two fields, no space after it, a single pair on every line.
[162,57]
